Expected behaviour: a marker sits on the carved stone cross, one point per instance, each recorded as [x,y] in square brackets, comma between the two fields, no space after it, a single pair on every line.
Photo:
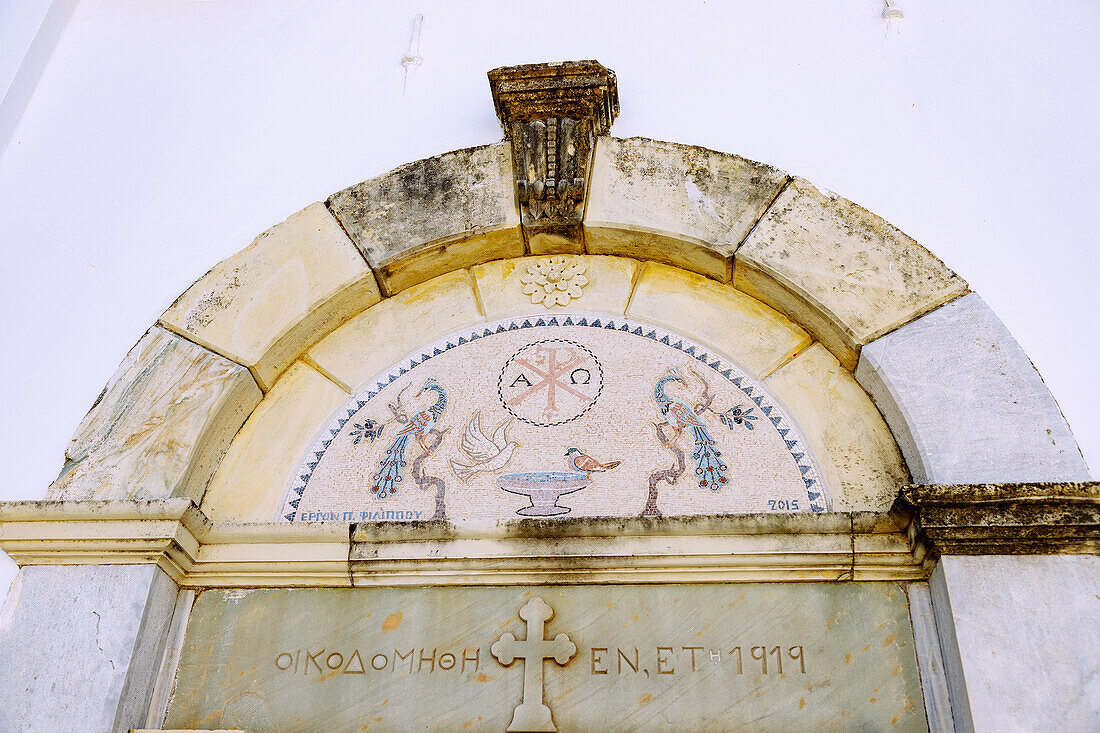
[532,714]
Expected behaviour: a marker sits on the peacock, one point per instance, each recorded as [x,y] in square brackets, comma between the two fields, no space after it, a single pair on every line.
[709,468]
[393,460]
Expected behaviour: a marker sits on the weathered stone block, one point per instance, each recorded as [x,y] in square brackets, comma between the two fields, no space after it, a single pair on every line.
[1006,519]
[965,403]
[160,426]
[840,271]
[381,335]
[80,647]
[749,332]
[607,282]
[677,204]
[433,216]
[264,305]
[863,468]
[251,480]
[1022,648]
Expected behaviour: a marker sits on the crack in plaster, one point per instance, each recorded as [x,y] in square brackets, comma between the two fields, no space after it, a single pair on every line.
[99,646]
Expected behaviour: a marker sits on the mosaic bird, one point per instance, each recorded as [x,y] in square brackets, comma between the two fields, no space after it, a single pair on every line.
[578,460]
[393,460]
[709,468]
[487,455]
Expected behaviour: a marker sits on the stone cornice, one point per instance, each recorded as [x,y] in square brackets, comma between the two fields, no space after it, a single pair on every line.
[584,89]
[1006,519]
[175,535]
[746,547]
[840,546]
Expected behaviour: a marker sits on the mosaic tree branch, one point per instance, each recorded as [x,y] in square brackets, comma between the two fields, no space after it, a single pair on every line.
[671,474]
[426,482]
[736,415]
[706,399]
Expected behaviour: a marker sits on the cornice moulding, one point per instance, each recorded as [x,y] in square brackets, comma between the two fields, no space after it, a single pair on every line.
[843,546]
[176,535]
[1006,519]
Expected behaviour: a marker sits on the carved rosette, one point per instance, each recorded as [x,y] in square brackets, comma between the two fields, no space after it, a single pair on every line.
[552,114]
[554,280]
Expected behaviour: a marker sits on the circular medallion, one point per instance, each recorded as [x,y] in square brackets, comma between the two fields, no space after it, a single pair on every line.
[550,382]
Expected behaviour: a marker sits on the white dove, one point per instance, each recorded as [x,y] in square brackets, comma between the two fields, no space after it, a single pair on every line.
[487,455]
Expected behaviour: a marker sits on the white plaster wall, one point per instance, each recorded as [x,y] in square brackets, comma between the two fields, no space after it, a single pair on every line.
[165,135]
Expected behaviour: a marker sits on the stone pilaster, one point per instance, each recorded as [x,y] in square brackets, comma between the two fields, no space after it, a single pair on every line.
[80,647]
[1020,644]
[1010,594]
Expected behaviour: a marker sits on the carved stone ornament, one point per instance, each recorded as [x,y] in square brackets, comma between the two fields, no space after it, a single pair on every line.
[532,714]
[552,114]
[554,280]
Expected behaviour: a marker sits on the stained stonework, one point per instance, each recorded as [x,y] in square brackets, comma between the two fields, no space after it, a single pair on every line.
[264,305]
[395,327]
[677,204]
[269,444]
[433,216]
[1007,519]
[843,273]
[161,425]
[859,458]
[761,339]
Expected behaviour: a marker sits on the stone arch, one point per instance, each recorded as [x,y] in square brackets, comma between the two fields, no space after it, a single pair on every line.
[695,232]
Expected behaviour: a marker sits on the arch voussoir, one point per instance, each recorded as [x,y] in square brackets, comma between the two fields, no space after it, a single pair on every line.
[433,216]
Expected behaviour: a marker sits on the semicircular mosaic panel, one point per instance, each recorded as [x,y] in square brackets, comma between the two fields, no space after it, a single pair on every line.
[571,415]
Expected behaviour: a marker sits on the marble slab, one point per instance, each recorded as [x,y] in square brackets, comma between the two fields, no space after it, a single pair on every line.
[80,645]
[965,402]
[755,657]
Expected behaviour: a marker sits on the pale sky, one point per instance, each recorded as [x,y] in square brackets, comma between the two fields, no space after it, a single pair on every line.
[164,135]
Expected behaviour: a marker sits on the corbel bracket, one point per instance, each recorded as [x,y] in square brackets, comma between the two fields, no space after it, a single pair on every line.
[552,114]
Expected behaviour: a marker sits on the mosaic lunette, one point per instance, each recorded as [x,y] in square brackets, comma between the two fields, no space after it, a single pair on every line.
[574,408]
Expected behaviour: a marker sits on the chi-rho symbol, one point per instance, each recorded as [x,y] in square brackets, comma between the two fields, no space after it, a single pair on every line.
[532,714]
[550,382]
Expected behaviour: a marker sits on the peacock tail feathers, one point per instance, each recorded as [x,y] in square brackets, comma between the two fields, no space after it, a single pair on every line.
[389,468]
[709,468]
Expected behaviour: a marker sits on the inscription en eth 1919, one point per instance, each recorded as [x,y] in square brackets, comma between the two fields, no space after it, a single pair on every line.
[758,657]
